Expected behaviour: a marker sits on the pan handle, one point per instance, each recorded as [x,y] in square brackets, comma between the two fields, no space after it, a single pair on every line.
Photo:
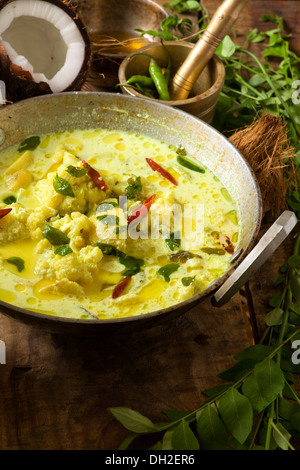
[266,246]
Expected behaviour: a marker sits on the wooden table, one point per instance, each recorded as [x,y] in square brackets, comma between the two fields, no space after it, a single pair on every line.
[55,389]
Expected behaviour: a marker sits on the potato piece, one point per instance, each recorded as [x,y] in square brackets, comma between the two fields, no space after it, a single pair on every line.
[21,164]
[20,179]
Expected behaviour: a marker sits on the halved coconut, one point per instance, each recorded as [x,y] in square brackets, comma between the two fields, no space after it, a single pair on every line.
[47,39]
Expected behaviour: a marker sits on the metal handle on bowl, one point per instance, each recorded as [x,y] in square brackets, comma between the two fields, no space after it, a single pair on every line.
[269,242]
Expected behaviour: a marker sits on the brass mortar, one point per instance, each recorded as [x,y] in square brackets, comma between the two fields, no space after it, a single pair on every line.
[204,95]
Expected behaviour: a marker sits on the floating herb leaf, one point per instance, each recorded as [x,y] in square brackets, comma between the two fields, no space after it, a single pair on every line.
[18,262]
[63,250]
[77,172]
[62,186]
[10,200]
[109,219]
[106,206]
[132,265]
[55,236]
[167,270]
[110,250]
[174,241]
[31,143]
[134,189]
[187,281]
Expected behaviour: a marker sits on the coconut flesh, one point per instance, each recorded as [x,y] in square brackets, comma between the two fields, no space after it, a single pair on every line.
[44,40]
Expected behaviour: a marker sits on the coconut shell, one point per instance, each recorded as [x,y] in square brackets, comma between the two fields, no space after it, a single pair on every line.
[20,84]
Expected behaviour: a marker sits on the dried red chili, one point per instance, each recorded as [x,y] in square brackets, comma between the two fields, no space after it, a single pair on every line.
[119,289]
[156,167]
[4,212]
[95,176]
[141,210]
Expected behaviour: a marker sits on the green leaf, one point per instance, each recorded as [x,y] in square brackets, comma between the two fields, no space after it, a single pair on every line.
[55,236]
[62,186]
[127,441]
[109,219]
[294,261]
[227,47]
[216,391]
[211,431]
[264,385]
[167,440]
[237,371]
[132,264]
[106,206]
[77,172]
[174,241]
[63,250]
[183,437]
[295,286]
[187,281]
[110,250]
[18,262]
[167,270]
[134,189]
[274,317]
[237,414]
[10,200]
[281,436]
[257,352]
[132,420]
[275,300]
[30,143]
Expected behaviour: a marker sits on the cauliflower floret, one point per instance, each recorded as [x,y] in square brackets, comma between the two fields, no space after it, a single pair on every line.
[13,225]
[63,287]
[47,194]
[38,217]
[71,267]
[85,192]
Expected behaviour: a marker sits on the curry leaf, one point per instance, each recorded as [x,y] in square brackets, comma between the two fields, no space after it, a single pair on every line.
[211,430]
[18,262]
[264,385]
[237,414]
[62,186]
[31,143]
[183,437]
[63,250]
[54,235]
[132,420]
[77,172]
[134,188]
[167,270]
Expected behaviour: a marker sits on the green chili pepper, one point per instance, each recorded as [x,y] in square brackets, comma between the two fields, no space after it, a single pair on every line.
[159,80]
[142,80]
[167,73]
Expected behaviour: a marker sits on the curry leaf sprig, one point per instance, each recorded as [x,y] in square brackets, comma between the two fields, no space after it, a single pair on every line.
[256,406]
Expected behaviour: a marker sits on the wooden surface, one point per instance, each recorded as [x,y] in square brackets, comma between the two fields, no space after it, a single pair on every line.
[55,389]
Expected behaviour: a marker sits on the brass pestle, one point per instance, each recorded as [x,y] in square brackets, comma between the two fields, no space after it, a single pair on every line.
[204,49]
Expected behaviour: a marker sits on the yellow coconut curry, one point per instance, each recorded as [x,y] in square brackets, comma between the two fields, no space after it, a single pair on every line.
[104,224]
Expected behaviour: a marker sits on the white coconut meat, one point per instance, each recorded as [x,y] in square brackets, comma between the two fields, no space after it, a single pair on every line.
[43,39]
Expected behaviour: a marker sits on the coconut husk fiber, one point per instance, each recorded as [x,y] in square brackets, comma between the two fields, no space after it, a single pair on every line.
[265,145]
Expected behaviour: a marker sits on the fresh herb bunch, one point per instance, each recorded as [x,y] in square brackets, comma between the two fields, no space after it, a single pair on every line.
[255,86]
[257,406]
